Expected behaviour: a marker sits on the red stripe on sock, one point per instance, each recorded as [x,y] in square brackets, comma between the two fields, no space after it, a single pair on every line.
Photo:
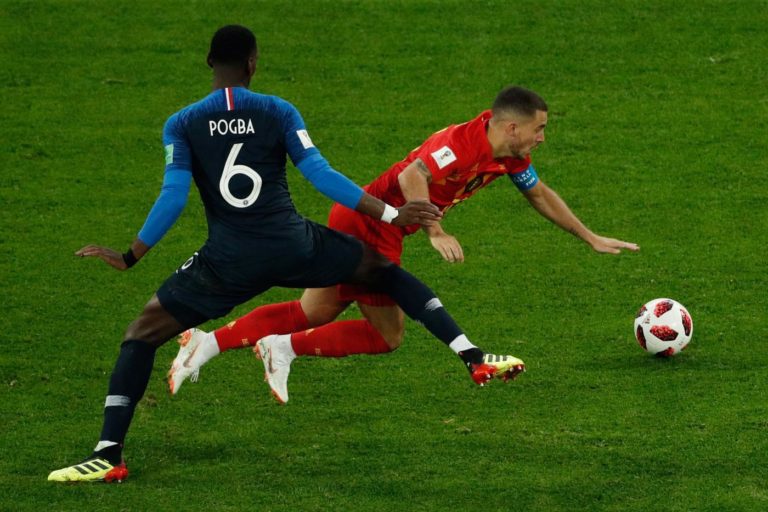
[283,318]
[340,339]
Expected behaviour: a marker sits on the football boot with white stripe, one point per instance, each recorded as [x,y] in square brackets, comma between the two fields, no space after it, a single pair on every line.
[499,367]
[92,469]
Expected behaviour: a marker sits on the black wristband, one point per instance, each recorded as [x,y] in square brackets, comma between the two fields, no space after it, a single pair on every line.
[129,258]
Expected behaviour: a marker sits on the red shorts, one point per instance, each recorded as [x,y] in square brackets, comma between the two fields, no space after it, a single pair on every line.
[384,238]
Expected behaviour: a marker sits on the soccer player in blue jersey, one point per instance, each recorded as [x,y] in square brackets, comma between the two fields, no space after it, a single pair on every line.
[233,143]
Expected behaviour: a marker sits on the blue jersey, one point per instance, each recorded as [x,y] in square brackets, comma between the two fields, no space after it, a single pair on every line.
[235,143]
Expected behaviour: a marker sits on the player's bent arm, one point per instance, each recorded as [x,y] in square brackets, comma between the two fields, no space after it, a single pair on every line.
[414,181]
[338,187]
[168,206]
[164,213]
[551,206]
[341,189]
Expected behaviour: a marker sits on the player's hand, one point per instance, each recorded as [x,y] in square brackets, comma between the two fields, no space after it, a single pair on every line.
[448,247]
[417,212]
[611,245]
[109,256]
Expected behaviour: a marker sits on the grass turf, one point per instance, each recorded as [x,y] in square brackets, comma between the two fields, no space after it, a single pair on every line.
[657,135]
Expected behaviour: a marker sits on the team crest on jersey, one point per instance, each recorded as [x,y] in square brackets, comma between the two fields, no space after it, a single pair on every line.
[443,156]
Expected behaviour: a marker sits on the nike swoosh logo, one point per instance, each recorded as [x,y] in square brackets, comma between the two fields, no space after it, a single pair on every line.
[190,356]
[268,359]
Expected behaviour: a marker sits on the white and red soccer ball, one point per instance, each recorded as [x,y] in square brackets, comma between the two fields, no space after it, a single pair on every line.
[663,327]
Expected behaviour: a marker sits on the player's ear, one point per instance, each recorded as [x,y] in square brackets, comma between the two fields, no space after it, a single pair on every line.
[510,127]
[209,61]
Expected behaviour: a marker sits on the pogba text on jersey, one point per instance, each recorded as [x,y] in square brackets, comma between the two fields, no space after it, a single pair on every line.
[235,126]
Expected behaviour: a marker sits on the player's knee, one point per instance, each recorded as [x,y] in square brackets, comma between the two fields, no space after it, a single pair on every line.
[392,333]
[154,326]
[138,330]
[393,340]
[317,316]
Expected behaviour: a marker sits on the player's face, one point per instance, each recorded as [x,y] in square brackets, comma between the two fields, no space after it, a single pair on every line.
[526,134]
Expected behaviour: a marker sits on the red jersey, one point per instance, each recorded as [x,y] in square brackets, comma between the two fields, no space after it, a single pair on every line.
[461,161]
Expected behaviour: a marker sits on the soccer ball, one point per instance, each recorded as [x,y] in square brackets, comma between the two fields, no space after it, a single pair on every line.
[663,327]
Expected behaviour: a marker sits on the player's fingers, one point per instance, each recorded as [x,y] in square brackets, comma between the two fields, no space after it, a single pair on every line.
[459,254]
[89,252]
[455,254]
[444,252]
[431,214]
[83,250]
[630,246]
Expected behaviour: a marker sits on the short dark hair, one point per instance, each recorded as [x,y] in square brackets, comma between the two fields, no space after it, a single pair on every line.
[232,45]
[518,100]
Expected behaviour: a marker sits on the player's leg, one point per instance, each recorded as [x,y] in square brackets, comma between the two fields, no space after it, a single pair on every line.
[130,376]
[317,306]
[322,305]
[129,379]
[389,321]
[421,304]
[340,338]
[335,339]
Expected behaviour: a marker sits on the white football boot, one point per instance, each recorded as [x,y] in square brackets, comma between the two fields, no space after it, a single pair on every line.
[276,352]
[182,366]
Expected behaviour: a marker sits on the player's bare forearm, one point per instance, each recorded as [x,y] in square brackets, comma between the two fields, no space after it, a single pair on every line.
[550,205]
[112,257]
[414,181]
[139,248]
[371,206]
[413,212]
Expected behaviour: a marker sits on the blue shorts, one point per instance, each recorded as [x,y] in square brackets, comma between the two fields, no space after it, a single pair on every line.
[221,276]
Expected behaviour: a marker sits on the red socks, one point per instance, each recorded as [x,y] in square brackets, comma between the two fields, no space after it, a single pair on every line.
[283,318]
[339,339]
[336,339]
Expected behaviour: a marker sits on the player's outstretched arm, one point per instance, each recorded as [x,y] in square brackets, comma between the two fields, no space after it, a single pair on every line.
[413,212]
[165,211]
[550,205]
[341,189]
[112,257]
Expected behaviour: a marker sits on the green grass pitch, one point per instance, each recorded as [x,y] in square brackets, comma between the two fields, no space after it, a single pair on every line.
[657,135]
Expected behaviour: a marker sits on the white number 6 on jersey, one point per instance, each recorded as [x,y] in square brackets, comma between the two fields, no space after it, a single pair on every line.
[230,170]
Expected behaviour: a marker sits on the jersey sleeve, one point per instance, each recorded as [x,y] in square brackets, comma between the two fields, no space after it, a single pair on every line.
[313,166]
[443,154]
[176,184]
[298,144]
[178,155]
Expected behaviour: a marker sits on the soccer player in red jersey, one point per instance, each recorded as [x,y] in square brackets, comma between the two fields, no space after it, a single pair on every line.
[449,167]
